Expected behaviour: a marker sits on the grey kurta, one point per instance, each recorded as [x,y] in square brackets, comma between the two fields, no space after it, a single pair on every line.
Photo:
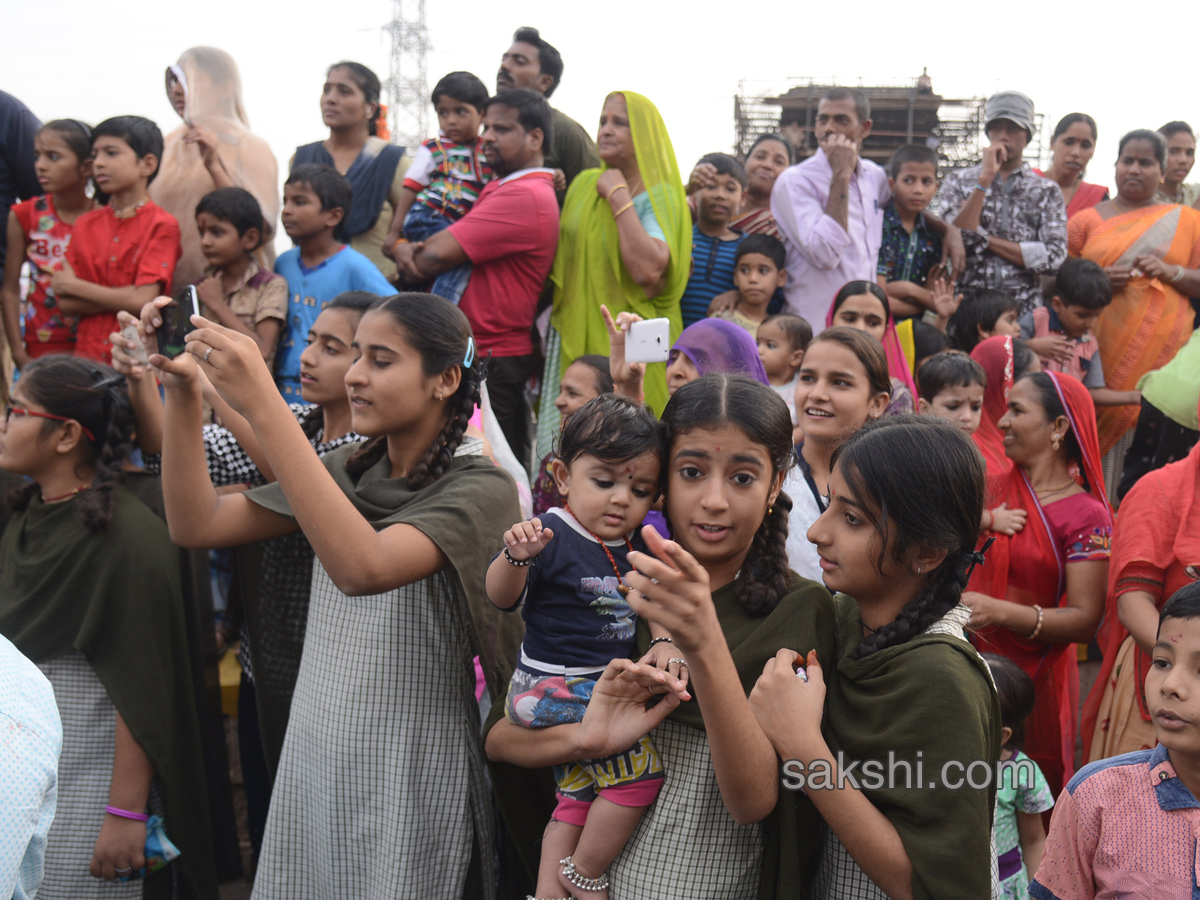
[380,790]
[687,844]
[85,770]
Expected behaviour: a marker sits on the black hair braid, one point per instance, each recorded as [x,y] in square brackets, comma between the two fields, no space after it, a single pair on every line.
[366,456]
[440,455]
[765,575]
[312,423]
[112,447]
[18,498]
[942,593]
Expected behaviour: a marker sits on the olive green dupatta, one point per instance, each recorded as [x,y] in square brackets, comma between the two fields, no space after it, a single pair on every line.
[115,597]
[929,702]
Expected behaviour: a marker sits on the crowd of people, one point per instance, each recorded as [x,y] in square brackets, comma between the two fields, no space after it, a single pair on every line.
[520,616]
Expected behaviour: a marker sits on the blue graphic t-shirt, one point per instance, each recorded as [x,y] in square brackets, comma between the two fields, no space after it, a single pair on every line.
[575,618]
[309,292]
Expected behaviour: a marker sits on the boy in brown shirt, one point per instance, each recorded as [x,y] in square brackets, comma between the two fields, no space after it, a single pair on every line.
[235,291]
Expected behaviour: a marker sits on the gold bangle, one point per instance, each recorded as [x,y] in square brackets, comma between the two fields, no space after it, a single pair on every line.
[615,189]
[1037,629]
[628,205]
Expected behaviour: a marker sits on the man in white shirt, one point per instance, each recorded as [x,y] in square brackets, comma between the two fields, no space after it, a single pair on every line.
[829,210]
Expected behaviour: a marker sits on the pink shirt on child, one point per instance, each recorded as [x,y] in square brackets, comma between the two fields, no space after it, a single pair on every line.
[1123,827]
[1085,351]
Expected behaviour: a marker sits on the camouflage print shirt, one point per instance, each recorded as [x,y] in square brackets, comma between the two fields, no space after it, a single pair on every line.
[1022,208]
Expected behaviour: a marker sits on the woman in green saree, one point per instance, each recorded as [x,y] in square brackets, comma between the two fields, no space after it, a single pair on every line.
[625,241]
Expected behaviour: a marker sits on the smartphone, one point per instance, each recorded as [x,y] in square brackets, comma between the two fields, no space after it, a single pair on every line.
[648,341]
[177,322]
[131,333]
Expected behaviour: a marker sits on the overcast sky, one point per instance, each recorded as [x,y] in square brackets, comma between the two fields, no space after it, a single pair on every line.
[91,61]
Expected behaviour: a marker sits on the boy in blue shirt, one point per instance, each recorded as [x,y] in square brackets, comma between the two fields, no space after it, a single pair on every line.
[911,251]
[714,243]
[315,200]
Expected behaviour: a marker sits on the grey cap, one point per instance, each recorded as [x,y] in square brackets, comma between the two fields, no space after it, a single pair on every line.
[1011,105]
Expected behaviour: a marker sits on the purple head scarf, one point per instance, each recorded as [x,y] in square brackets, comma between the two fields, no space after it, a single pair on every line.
[718,345]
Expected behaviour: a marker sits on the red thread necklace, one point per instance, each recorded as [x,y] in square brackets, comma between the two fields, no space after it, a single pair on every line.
[78,490]
[622,588]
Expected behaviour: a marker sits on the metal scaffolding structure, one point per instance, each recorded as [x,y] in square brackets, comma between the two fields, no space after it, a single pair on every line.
[901,114]
[407,85]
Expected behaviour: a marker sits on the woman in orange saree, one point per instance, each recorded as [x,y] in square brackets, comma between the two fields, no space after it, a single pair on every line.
[1151,252]
[1042,590]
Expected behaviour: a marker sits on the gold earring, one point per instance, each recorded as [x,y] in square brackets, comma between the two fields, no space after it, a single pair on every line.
[1055,441]
[770,510]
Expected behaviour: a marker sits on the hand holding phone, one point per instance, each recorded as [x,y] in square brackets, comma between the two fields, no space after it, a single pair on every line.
[648,341]
[177,322]
[138,353]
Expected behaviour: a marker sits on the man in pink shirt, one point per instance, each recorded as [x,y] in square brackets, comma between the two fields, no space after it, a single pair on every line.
[1128,826]
[829,210]
[509,237]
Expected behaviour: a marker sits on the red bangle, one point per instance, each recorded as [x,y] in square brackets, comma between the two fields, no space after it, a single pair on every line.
[126,814]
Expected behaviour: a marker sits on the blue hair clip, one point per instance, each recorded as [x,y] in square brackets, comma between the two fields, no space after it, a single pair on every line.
[470,357]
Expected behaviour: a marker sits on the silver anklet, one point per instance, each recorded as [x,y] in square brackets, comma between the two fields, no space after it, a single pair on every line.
[577,880]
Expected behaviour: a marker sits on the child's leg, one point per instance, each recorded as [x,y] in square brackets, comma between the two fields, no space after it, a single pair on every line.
[422,223]
[630,783]
[558,841]
[608,828]
[451,284]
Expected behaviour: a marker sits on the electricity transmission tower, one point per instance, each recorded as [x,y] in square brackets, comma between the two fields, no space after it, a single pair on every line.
[407,87]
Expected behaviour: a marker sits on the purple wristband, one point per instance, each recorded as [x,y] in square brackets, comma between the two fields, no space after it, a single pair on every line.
[126,814]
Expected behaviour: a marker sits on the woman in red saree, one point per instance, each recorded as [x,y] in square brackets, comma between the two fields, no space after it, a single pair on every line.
[1041,590]
[1156,551]
[1004,360]
[996,356]
[1073,145]
[1151,252]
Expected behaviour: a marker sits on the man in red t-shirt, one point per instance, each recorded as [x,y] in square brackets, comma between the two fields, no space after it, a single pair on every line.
[121,256]
[509,237]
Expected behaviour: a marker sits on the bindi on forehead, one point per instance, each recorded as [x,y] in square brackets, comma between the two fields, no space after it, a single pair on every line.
[1174,639]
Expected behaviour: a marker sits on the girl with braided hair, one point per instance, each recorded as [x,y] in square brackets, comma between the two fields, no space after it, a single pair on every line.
[90,591]
[905,690]
[273,577]
[721,589]
[382,741]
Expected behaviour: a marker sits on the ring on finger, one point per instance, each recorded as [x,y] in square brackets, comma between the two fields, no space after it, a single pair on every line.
[124,871]
[677,659]
[208,353]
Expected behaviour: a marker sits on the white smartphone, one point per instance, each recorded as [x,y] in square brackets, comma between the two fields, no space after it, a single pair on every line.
[648,341]
[130,333]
